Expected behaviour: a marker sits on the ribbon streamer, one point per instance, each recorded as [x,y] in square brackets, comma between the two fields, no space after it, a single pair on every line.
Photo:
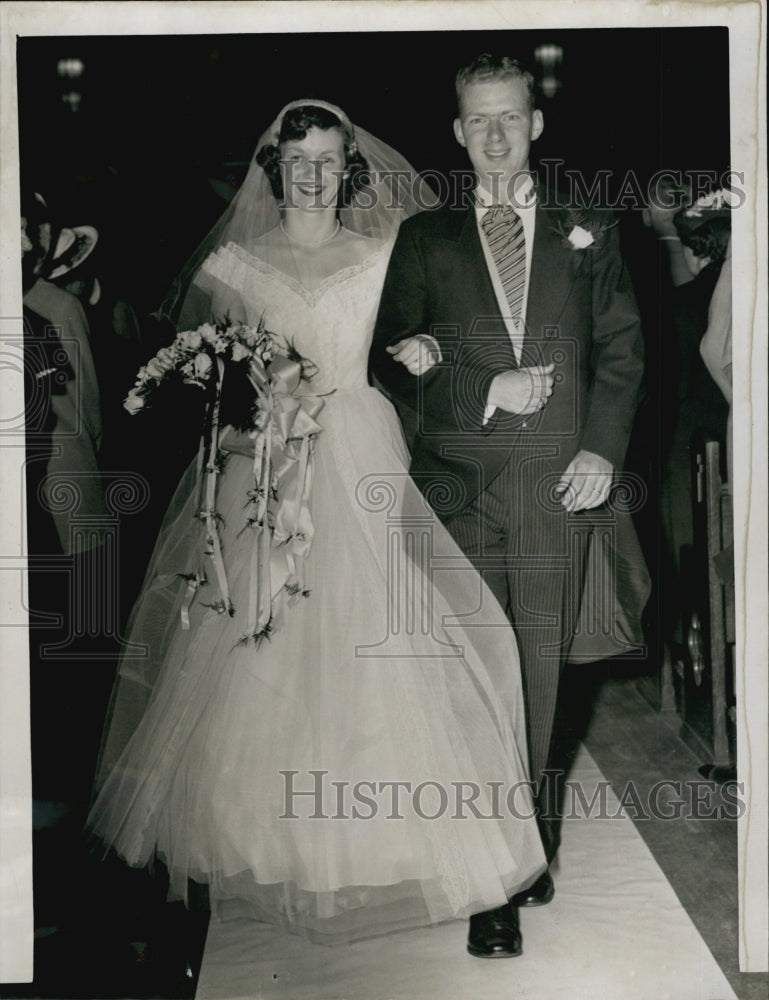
[286,430]
[284,437]
[209,513]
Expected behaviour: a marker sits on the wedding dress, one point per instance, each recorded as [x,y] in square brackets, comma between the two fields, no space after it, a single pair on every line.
[396,667]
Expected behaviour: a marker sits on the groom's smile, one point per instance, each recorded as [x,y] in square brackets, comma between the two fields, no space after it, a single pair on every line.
[497,125]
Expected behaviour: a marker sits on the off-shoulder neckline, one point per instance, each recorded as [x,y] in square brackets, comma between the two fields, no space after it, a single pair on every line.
[310,297]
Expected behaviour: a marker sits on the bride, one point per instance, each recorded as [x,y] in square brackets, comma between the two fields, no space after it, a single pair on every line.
[362,769]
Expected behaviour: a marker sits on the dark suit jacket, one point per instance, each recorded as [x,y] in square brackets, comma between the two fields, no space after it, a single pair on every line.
[581,315]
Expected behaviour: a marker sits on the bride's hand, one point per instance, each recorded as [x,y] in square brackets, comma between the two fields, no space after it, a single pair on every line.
[236,441]
[419,353]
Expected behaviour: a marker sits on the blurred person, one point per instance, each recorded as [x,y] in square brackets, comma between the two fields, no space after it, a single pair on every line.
[699,242]
[666,199]
[716,344]
[69,566]
[78,266]
[78,431]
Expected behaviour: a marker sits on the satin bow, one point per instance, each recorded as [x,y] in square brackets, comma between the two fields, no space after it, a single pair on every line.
[284,435]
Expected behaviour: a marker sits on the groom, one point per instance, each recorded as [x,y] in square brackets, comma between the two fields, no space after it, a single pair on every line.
[524,302]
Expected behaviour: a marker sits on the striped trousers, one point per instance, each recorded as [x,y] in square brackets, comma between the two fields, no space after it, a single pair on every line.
[531,553]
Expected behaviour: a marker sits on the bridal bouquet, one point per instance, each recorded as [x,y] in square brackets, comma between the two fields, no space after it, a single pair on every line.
[192,357]
[283,427]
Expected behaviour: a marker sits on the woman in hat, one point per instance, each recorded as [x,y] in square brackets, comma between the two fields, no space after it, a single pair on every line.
[78,428]
[313,777]
[73,245]
[67,517]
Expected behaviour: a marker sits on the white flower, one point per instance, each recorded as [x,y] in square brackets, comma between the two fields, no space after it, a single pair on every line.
[240,352]
[580,238]
[133,402]
[166,359]
[191,339]
[202,365]
[208,333]
[154,369]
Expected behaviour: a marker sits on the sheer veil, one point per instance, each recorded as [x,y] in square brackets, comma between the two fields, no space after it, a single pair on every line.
[395,191]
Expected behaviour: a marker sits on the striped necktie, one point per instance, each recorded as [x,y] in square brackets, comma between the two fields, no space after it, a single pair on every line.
[507,242]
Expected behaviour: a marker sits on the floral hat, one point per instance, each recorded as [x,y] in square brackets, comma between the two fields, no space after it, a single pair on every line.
[706,225]
[707,208]
[73,245]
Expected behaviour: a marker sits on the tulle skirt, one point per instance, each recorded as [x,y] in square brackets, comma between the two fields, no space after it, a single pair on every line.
[363,769]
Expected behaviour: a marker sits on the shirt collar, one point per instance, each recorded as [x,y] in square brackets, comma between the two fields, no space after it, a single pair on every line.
[525,196]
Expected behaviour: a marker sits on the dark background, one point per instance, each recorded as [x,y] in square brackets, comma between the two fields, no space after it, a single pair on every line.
[160,118]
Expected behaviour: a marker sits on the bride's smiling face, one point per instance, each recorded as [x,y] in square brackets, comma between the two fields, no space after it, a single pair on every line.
[313,168]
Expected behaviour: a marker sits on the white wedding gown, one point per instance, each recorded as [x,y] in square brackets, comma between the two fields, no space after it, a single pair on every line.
[370,680]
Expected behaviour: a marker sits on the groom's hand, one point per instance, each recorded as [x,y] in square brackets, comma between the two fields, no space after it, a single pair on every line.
[586,482]
[522,390]
[419,353]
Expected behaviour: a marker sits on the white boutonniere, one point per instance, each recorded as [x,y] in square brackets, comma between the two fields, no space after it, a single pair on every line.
[580,238]
[580,231]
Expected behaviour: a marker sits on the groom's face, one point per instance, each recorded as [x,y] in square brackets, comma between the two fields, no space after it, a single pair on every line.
[496,125]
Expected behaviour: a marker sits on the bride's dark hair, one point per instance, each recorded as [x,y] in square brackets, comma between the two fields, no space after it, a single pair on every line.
[295,125]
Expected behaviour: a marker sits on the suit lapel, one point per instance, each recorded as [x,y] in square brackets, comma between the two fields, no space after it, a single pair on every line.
[461,234]
[554,268]
[478,273]
[479,297]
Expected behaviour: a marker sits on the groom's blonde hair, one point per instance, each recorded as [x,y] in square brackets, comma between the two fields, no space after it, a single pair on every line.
[488,67]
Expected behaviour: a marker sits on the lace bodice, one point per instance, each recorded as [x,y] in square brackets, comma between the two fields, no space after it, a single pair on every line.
[330,326]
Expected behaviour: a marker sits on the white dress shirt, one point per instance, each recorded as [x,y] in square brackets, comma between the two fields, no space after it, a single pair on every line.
[525,204]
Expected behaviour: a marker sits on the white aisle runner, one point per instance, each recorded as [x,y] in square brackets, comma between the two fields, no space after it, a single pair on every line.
[615,931]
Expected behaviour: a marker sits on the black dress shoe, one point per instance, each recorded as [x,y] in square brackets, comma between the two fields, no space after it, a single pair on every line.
[495,933]
[541,892]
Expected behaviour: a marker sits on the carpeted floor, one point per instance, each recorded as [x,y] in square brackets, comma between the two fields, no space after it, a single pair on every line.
[615,931]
